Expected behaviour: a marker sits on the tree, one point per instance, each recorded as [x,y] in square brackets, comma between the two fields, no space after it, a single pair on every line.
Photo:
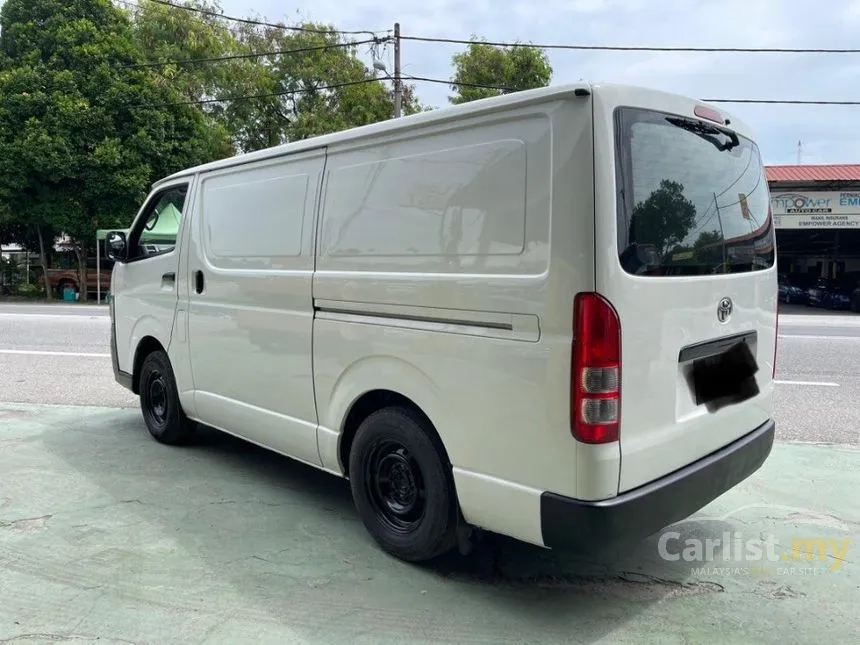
[85,132]
[169,36]
[283,83]
[665,218]
[709,247]
[514,68]
[313,84]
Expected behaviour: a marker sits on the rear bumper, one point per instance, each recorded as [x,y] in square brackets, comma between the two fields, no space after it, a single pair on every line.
[639,513]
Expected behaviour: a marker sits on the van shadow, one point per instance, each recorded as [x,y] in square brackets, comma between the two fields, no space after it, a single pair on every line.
[280,542]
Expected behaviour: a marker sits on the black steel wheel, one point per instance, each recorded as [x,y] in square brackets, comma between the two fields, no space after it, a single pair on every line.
[394,486]
[402,485]
[159,401]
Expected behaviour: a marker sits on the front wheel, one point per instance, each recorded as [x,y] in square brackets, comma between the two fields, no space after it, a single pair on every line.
[159,401]
[402,487]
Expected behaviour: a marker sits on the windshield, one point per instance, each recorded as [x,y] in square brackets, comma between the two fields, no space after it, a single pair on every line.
[692,197]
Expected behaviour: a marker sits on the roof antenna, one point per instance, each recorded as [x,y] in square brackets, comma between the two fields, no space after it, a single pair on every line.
[799,151]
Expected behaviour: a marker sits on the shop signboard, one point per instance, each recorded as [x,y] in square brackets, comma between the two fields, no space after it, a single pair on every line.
[813,209]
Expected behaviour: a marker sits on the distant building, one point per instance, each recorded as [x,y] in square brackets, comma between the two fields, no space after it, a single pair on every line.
[816,211]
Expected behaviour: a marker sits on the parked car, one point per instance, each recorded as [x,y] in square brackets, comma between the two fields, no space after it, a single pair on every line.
[790,292]
[815,293]
[834,294]
[70,278]
[855,300]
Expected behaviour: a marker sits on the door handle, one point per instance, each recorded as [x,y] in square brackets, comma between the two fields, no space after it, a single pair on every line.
[198,281]
[169,277]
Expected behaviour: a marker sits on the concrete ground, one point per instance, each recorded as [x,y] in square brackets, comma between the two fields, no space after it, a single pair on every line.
[107,536]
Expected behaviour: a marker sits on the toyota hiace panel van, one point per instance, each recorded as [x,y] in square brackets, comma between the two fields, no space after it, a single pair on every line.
[550,315]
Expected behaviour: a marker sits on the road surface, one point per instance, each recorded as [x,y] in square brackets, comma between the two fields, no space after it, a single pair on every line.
[58,354]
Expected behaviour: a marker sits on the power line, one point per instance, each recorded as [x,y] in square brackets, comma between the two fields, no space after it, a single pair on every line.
[215,59]
[441,81]
[246,97]
[501,88]
[261,23]
[636,48]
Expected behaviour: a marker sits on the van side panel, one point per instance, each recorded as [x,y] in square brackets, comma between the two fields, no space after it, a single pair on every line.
[250,329]
[436,279]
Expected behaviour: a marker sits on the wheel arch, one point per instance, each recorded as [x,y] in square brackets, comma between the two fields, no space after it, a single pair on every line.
[146,346]
[372,384]
[141,334]
[371,402]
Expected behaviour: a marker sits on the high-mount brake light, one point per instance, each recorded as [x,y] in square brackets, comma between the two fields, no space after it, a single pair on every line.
[709,113]
[595,379]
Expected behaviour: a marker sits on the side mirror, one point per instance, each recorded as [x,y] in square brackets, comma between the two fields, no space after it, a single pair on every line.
[115,246]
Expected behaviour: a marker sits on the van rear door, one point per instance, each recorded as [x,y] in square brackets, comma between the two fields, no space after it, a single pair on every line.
[691,273]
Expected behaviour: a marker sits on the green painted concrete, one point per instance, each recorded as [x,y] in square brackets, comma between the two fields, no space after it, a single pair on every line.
[106,534]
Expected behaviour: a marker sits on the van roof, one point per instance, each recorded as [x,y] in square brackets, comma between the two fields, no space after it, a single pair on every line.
[472,108]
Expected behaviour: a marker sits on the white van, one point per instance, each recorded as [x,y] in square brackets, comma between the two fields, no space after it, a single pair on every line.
[551,315]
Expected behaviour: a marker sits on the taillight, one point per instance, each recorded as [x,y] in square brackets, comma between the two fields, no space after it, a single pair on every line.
[595,379]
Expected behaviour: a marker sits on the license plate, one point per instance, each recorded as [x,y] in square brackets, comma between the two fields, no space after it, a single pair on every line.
[726,378]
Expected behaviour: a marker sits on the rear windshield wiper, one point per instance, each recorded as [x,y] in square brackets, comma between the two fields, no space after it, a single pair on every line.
[709,133]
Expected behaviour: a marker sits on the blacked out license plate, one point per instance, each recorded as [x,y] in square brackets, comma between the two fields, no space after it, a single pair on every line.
[728,376]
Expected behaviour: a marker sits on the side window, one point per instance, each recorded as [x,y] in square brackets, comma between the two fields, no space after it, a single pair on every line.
[156,231]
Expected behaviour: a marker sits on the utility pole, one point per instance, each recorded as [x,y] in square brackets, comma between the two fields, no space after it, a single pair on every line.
[398,86]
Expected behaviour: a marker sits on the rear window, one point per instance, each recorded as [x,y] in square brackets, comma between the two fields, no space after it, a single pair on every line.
[692,197]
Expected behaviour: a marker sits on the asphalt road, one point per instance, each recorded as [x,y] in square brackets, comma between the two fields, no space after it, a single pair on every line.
[59,354]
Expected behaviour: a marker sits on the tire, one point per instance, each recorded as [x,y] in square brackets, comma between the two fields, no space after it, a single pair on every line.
[159,401]
[398,442]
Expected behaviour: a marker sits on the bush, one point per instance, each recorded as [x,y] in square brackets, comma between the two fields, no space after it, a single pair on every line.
[30,290]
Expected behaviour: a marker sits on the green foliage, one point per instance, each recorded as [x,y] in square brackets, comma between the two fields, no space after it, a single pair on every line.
[665,218]
[289,100]
[30,291]
[303,107]
[167,34]
[513,68]
[78,152]
[88,122]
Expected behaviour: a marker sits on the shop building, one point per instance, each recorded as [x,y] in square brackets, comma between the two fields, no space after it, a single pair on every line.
[816,213]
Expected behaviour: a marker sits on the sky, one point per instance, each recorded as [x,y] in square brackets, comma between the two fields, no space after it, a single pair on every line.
[829,134]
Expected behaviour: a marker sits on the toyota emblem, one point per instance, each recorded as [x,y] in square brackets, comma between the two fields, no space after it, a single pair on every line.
[724,310]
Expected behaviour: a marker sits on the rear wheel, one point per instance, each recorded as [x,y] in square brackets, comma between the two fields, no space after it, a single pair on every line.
[159,401]
[402,487]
